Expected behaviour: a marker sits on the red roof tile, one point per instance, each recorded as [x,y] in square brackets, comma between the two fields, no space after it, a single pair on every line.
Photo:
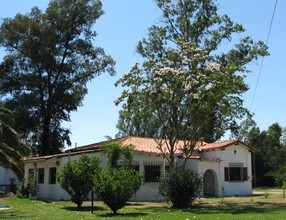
[142,144]
[150,145]
[59,155]
[223,144]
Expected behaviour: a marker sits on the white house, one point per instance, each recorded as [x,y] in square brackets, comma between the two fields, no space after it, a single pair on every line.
[226,167]
[7,179]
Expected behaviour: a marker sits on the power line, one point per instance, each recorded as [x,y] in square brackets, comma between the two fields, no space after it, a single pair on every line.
[267,40]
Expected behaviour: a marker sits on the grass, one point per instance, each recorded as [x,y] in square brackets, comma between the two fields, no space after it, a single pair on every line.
[255,207]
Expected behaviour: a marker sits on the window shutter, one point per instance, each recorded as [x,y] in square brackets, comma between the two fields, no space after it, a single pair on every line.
[244,173]
[226,174]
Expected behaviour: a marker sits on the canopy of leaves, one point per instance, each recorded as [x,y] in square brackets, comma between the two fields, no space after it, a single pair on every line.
[270,144]
[50,58]
[76,177]
[11,148]
[116,186]
[181,186]
[189,86]
[118,155]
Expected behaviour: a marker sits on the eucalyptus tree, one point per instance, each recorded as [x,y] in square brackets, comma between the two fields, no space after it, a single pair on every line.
[50,58]
[269,158]
[189,80]
[11,147]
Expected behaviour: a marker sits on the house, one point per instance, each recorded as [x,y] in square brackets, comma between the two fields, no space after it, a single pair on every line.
[8,180]
[226,167]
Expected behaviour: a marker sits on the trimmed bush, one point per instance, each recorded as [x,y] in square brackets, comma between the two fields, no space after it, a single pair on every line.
[76,177]
[116,186]
[181,186]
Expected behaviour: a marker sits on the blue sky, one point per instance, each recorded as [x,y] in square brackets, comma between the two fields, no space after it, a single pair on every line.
[126,22]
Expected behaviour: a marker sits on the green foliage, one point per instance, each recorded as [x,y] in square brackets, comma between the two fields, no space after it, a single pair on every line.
[32,188]
[22,191]
[76,177]
[180,186]
[29,190]
[270,153]
[116,186]
[50,58]
[11,148]
[238,208]
[118,155]
[187,86]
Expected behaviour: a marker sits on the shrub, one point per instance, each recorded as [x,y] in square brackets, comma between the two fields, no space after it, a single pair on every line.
[116,186]
[76,177]
[22,191]
[180,186]
[28,190]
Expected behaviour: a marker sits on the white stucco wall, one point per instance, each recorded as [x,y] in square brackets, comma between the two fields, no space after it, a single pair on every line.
[214,166]
[6,175]
[52,191]
[214,160]
[147,192]
[243,156]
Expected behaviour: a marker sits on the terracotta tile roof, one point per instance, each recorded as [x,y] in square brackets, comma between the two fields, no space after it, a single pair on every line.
[222,144]
[37,158]
[148,145]
[141,144]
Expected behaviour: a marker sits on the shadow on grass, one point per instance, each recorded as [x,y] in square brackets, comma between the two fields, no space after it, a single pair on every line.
[109,214]
[83,209]
[127,215]
[9,214]
[232,208]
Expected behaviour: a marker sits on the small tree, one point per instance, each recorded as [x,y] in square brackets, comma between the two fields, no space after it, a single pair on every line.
[76,177]
[180,186]
[116,185]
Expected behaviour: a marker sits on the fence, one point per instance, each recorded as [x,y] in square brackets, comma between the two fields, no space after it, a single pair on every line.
[8,188]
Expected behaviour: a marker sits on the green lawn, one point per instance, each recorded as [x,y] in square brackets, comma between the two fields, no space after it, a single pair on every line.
[266,204]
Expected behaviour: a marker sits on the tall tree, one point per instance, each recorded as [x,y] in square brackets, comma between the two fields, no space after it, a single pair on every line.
[11,148]
[189,83]
[270,153]
[50,59]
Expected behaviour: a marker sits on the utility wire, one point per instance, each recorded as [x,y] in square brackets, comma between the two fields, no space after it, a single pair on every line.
[267,40]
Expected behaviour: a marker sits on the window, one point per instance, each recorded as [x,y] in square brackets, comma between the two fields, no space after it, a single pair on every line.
[152,173]
[167,168]
[235,173]
[41,175]
[52,175]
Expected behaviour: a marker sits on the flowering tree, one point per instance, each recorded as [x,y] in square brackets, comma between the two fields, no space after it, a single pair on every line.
[50,58]
[188,86]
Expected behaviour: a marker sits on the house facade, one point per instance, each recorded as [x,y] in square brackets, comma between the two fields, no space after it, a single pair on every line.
[8,180]
[226,167]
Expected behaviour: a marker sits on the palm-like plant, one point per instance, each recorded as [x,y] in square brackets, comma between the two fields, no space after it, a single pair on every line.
[11,147]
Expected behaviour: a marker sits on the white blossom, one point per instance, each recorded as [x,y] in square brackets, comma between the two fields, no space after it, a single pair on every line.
[213,66]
